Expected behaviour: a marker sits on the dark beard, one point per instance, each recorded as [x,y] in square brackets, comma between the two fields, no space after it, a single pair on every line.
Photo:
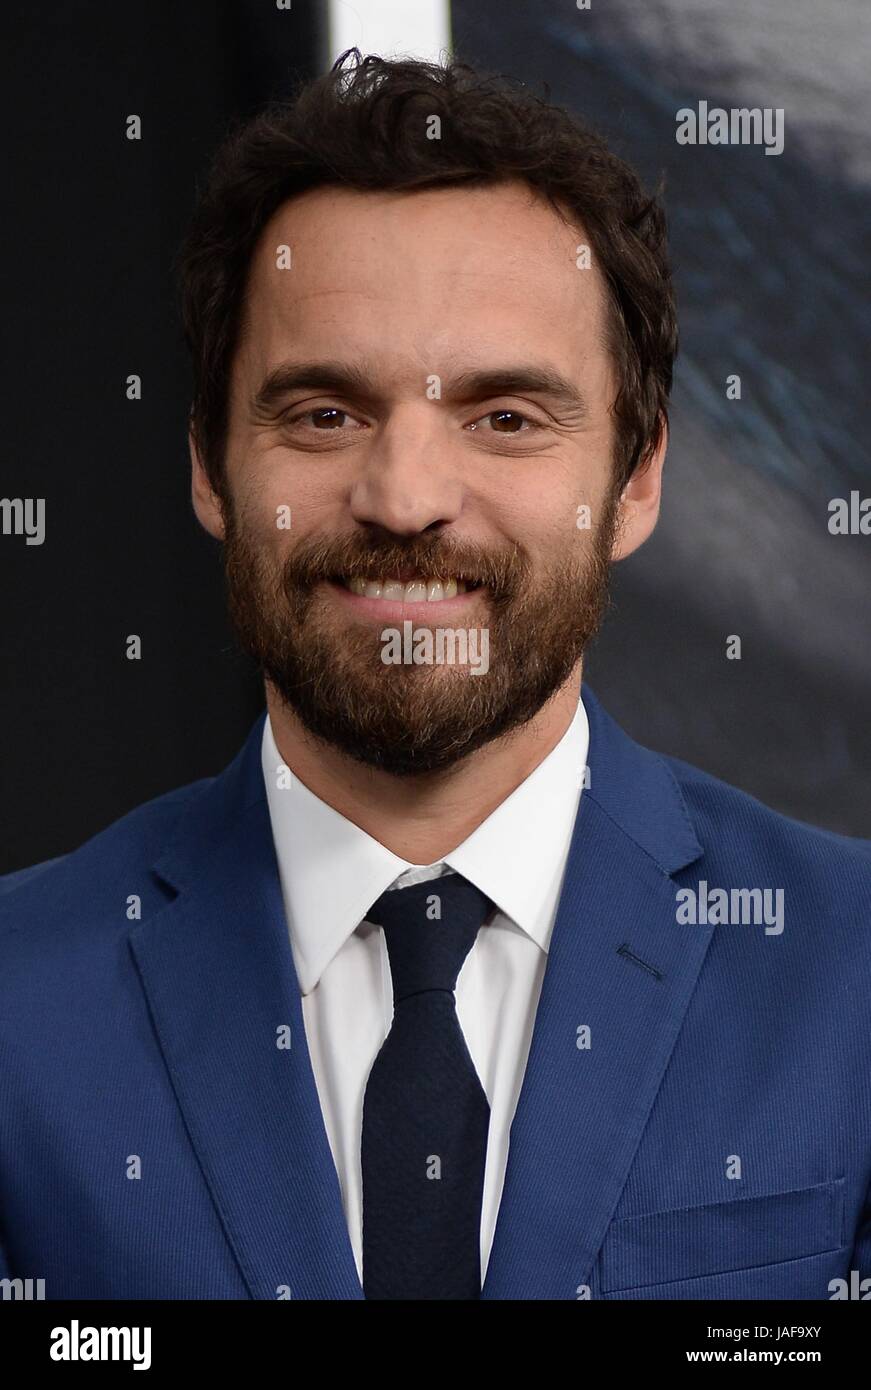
[411,719]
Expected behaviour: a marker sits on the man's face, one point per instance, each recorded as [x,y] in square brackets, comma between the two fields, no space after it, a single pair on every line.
[428,456]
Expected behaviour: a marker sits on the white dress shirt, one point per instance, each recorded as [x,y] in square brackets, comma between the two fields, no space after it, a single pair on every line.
[331,874]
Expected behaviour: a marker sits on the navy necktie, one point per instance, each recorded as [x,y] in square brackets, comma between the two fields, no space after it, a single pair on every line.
[425,1114]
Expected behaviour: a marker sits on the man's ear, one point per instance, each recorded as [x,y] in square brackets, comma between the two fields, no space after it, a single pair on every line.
[207,504]
[639,502]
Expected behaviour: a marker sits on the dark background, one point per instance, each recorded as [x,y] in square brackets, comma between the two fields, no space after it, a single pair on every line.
[771,257]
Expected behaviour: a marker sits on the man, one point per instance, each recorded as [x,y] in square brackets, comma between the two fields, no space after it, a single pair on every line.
[445,988]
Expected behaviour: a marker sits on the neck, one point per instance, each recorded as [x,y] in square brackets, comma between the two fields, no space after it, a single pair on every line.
[422,818]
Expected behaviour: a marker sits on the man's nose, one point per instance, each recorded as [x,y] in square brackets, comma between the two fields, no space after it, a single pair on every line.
[409,479]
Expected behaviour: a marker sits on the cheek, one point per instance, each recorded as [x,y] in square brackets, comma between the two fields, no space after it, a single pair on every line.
[299,499]
[270,511]
[540,511]
[555,521]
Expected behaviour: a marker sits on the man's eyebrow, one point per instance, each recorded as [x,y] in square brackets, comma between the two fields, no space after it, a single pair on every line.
[520,380]
[349,379]
[343,378]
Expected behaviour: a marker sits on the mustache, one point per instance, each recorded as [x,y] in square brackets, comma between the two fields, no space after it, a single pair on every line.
[503,570]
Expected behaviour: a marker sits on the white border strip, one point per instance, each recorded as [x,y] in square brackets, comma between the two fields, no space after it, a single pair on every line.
[391,28]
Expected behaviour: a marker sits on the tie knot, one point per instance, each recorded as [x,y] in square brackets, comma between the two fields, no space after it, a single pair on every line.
[429,929]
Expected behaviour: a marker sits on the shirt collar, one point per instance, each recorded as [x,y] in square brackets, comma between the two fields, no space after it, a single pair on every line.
[332,871]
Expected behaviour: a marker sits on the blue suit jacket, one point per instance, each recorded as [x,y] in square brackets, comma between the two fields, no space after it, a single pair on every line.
[712,1141]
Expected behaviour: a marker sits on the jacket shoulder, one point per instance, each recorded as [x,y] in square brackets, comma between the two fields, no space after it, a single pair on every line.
[126,846]
[726,816]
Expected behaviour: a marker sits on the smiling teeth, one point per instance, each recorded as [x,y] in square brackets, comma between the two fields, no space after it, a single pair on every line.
[415,591]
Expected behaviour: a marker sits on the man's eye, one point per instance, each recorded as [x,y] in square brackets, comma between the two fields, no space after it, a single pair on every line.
[505,422]
[325,418]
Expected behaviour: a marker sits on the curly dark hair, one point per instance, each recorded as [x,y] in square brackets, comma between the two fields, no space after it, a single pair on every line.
[363,126]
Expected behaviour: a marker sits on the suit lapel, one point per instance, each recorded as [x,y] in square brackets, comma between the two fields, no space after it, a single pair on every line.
[621,965]
[218,971]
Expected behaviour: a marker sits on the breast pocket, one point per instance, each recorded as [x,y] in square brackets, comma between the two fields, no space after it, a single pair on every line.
[691,1242]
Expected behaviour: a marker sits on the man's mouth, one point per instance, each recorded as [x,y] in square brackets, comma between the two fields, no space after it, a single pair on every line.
[409,589]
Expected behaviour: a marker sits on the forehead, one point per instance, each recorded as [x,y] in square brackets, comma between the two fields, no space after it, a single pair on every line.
[415,281]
